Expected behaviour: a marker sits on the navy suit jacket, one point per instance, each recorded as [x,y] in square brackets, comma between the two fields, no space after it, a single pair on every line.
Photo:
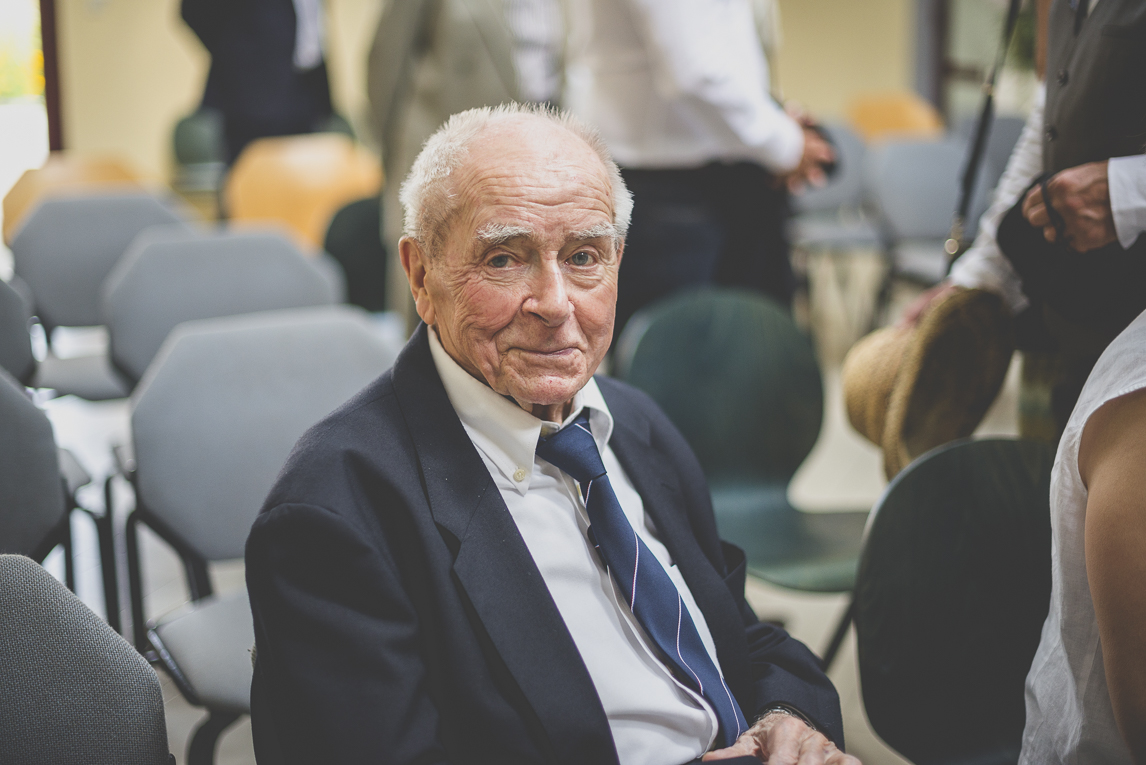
[400,618]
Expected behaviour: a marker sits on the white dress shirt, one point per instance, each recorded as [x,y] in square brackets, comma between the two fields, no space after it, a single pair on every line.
[676,84]
[308,33]
[537,31]
[984,265]
[655,720]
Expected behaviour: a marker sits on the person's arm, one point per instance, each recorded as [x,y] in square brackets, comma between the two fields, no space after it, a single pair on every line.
[398,44]
[707,53]
[1127,178]
[1112,464]
[339,675]
[983,265]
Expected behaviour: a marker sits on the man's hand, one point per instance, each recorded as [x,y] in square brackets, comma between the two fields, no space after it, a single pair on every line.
[817,153]
[781,739]
[1081,195]
[919,306]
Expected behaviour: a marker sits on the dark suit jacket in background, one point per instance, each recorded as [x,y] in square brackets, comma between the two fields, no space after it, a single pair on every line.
[400,617]
[253,80]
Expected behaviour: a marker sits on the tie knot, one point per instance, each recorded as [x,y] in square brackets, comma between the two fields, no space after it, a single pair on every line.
[573,450]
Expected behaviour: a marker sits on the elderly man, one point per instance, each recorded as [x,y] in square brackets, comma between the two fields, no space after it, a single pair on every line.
[491,556]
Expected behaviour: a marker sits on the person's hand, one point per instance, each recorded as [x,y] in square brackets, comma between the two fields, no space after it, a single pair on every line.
[919,306]
[781,739]
[1081,195]
[817,153]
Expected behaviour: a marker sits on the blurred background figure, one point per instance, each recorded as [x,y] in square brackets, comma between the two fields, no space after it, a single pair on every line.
[680,92]
[268,68]
[434,58]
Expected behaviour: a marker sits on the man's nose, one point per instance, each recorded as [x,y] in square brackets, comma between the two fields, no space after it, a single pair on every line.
[549,298]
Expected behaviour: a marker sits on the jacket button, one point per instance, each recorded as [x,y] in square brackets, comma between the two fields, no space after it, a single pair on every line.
[1063,76]
[1051,133]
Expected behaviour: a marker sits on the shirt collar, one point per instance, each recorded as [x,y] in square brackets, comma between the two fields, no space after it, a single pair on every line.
[505,432]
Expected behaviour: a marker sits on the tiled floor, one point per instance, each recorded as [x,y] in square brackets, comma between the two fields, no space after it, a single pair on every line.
[843,471]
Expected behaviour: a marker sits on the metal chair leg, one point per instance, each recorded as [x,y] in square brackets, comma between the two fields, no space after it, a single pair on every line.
[201,749]
[135,583]
[69,554]
[839,635]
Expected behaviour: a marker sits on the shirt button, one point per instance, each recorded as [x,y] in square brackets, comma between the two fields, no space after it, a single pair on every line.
[1063,76]
[1051,133]
[519,474]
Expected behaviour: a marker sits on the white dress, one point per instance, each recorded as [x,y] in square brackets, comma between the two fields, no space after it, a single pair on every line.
[1069,716]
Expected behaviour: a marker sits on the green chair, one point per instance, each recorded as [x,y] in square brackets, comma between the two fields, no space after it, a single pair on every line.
[354,239]
[741,381]
[952,592]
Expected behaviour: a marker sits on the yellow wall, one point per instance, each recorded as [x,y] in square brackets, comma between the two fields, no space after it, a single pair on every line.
[130,69]
[833,50]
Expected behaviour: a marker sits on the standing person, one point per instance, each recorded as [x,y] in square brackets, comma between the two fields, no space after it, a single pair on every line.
[434,58]
[680,92]
[1075,285]
[268,70]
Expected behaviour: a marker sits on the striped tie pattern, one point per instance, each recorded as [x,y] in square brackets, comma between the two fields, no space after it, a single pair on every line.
[652,596]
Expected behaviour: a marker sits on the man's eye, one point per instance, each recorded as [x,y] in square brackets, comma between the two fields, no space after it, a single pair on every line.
[499,261]
[581,258]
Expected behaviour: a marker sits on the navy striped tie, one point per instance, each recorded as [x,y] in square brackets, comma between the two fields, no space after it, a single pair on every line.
[653,597]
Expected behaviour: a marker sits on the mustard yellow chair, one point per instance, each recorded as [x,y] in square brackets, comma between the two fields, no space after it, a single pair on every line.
[878,115]
[300,181]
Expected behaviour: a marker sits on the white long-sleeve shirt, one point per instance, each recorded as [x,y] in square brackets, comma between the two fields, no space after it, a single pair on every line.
[676,84]
[985,266]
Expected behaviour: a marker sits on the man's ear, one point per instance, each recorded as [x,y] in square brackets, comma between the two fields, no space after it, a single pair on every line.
[415,262]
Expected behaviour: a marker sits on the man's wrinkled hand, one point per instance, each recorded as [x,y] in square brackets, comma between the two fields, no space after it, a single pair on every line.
[781,739]
[1081,195]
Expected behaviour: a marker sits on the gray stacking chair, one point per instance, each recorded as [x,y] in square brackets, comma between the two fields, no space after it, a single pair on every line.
[64,250]
[15,342]
[834,217]
[171,275]
[38,485]
[71,689]
[213,420]
[915,186]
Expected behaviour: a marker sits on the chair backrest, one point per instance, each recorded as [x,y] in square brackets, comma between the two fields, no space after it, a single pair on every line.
[15,341]
[845,188]
[71,689]
[735,374]
[951,595]
[354,239]
[172,275]
[64,172]
[222,405]
[31,492]
[68,245]
[300,181]
[898,114]
[200,150]
[915,185]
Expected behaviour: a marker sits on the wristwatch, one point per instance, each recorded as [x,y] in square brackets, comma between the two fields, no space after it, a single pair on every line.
[790,711]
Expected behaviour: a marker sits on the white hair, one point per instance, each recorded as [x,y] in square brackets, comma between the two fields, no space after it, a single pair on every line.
[427,199]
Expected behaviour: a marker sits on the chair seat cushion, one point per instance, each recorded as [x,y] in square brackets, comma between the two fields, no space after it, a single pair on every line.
[209,644]
[817,552]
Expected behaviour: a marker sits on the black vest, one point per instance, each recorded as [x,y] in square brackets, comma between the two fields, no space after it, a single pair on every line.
[1095,110]
[1096,84]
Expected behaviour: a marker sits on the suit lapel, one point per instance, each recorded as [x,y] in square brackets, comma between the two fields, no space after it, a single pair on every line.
[659,486]
[495,570]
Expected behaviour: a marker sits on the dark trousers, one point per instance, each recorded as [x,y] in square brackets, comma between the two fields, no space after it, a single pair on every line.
[721,224]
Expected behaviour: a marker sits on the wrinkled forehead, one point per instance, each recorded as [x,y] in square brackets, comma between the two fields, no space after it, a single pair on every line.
[535,166]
